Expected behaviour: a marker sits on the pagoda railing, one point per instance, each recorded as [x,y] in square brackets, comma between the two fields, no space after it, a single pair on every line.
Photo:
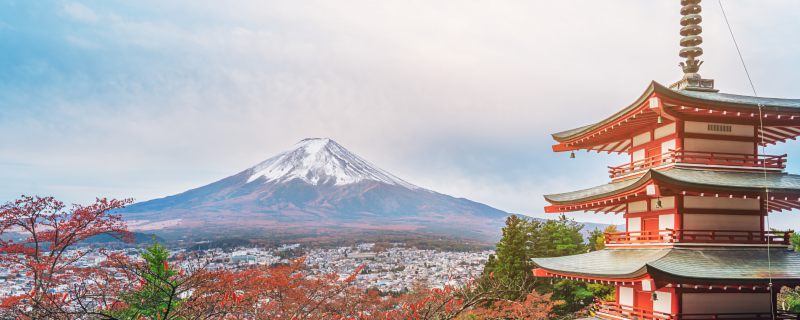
[643,164]
[701,158]
[699,236]
[613,310]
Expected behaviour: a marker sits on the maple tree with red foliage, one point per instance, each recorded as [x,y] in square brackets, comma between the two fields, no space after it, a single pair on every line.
[155,286]
[50,231]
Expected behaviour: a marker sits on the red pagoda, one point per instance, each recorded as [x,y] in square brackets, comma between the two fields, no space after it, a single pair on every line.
[695,196]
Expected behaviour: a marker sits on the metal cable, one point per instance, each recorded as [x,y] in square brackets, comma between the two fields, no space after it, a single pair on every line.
[762,148]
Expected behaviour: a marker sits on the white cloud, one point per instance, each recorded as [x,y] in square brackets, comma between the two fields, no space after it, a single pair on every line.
[182,93]
[80,12]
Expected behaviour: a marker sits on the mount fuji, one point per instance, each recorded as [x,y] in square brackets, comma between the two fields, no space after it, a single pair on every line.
[315,187]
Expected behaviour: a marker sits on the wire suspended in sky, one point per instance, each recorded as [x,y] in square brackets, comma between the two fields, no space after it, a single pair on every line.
[763,148]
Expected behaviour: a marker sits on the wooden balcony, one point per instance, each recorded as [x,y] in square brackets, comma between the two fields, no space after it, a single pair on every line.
[612,310]
[700,158]
[699,236]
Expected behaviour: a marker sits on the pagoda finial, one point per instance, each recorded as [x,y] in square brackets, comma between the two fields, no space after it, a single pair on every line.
[691,40]
[690,31]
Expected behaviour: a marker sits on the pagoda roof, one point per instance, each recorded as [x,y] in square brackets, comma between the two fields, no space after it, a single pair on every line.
[688,96]
[718,180]
[607,263]
[743,265]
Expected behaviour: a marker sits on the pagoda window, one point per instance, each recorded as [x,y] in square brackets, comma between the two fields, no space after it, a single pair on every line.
[726,302]
[663,203]
[663,302]
[719,146]
[637,206]
[626,296]
[722,222]
[641,139]
[664,131]
[634,224]
[695,202]
[638,155]
[724,129]
[668,145]
[666,221]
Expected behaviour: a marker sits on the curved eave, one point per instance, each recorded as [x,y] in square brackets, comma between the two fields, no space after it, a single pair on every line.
[712,99]
[598,192]
[729,181]
[613,196]
[618,264]
[726,266]
[718,99]
[577,132]
[742,266]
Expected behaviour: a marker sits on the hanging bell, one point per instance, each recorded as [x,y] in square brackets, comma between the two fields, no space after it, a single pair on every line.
[660,120]
[658,203]
[572,155]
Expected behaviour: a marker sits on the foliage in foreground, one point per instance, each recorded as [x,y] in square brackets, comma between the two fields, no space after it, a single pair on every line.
[524,239]
[161,287]
[789,299]
[49,232]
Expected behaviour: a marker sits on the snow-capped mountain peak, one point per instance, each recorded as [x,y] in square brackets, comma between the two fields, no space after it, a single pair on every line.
[321,161]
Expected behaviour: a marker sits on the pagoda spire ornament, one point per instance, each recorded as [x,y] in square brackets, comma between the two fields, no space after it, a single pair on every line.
[691,36]
[690,41]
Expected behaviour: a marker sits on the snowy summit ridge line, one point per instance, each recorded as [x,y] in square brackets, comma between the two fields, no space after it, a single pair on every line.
[322,161]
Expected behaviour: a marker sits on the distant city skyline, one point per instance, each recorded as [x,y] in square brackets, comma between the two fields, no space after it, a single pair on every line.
[148,99]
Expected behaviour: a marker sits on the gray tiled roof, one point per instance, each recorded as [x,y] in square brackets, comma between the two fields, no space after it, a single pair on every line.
[609,263]
[741,100]
[734,180]
[743,264]
[728,263]
[721,180]
[699,96]
[589,193]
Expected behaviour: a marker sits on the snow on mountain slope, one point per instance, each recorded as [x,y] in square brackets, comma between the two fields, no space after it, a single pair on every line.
[315,185]
[320,161]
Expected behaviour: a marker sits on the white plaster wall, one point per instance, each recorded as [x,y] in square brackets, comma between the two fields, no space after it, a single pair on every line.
[721,222]
[666,221]
[626,296]
[634,224]
[664,131]
[668,145]
[666,203]
[724,146]
[638,155]
[697,202]
[663,302]
[726,303]
[739,130]
[637,206]
[641,139]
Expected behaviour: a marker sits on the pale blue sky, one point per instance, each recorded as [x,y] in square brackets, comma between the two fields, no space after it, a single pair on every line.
[145,99]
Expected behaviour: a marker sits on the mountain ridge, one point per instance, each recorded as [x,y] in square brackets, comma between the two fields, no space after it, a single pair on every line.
[316,185]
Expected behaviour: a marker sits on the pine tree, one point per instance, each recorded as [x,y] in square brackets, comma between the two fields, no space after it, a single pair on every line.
[512,260]
[157,298]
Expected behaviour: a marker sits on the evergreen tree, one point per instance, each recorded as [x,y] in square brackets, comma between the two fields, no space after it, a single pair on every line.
[555,238]
[510,265]
[157,297]
[596,240]
[512,260]
[524,239]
